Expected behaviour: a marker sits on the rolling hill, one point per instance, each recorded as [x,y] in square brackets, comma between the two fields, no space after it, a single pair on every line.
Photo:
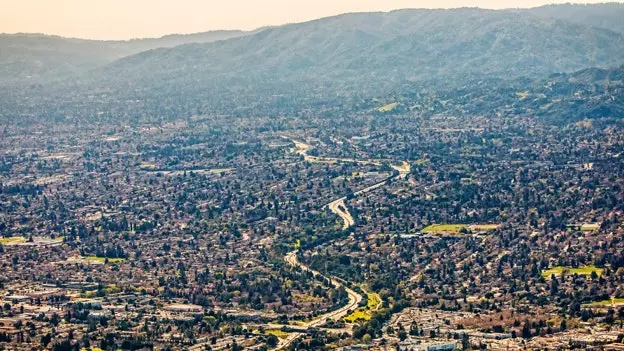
[368,53]
[561,98]
[606,15]
[26,57]
[335,60]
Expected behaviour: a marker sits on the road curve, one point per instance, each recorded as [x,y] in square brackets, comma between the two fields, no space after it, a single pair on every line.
[354,300]
[339,208]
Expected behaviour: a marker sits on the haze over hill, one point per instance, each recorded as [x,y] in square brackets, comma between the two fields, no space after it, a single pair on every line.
[297,66]
[607,15]
[586,94]
[28,56]
[408,44]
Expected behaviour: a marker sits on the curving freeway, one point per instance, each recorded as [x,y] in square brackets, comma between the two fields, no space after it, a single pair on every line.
[339,208]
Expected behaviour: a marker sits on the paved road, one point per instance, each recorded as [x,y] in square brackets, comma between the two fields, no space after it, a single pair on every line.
[354,297]
[338,207]
[354,300]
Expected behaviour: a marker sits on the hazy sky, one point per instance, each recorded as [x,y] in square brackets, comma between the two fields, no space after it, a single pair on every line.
[123,19]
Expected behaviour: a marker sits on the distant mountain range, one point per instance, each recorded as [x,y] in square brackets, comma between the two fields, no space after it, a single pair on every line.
[28,56]
[309,65]
[374,51]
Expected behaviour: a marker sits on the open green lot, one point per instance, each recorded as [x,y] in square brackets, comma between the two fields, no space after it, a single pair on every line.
[373,303]
[619,301]
[12,240]
[103,259]
[585,227]
[280,334]
[388,107]
[31,241]
[456,228]
[357,315]
[483,227]
[590,227]
[443,228]
[585,270]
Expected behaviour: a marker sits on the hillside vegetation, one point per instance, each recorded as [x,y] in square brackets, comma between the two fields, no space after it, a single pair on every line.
[26,57]
[585,94]
[335,61]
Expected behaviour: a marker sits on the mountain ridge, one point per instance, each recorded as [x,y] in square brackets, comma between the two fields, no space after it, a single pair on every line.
[28,56]
[324,62]
[33,55]
[413,48]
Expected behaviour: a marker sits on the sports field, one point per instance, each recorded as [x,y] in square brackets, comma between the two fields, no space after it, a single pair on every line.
[585,270]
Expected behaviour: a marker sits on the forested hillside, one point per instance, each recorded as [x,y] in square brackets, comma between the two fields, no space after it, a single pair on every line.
[291,69]
[588,93]
[31,57]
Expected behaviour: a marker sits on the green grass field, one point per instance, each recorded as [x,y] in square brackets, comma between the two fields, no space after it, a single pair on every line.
[103,259]
[357,315]
[12,240]
[585,227]
[586,270]
[280,334]
[483,227]
[443,228]
[36,240]
[456,228]
[373,303]
[607,303]
[388,107]
[590,227]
